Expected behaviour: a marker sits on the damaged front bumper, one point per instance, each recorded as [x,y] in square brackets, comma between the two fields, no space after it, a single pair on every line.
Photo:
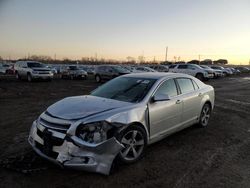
[73,152]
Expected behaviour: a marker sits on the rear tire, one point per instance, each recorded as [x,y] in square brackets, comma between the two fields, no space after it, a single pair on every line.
[205,115]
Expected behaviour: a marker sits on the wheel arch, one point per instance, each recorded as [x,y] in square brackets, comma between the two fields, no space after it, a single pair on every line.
[136,123]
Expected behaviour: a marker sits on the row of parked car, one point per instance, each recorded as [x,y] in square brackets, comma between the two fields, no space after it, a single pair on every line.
[31,70]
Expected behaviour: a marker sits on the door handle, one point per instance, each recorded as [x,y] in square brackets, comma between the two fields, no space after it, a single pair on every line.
[178,102]
[200,94]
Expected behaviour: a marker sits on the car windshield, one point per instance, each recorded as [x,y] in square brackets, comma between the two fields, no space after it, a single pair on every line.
[205,67]
[127,89]
[150,69]
[120,69]
[35,64]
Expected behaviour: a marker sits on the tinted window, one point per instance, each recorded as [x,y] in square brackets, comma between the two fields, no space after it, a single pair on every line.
[101,69]
[73,67]
[35,64]
[182,67]
[185,84]
[191,67]
[120,69]
[172,66]
[168,87]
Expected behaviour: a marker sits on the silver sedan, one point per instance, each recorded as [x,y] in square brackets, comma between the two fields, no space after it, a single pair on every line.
[119,119]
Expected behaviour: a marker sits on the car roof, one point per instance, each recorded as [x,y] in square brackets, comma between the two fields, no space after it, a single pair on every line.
[156,75]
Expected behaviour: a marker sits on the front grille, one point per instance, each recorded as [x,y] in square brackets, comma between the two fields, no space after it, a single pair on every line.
[43,72]
[55,126]
[53,140]
[48,142]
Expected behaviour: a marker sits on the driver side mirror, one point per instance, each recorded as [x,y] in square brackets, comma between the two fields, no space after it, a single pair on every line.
[160,97]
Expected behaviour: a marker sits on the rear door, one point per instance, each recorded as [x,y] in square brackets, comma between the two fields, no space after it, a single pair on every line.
[165,115]
[23,68]
[182,69]
[191,100]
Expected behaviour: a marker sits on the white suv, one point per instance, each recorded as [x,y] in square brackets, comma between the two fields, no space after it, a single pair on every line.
[31,70]
[193,70]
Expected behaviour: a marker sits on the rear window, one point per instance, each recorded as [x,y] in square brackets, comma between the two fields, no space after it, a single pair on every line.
[182,67]
[186,85]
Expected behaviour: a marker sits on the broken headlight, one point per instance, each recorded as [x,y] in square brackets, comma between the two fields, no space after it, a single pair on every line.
[93,132]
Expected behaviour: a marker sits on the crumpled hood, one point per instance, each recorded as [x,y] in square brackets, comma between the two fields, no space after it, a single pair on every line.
[83,106]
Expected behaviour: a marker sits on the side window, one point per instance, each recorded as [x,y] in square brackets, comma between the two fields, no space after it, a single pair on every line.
[172,66]
[182,67]
[191,67]
[195,85]
[168,87]
[101,69]
[186,85]
[109,69]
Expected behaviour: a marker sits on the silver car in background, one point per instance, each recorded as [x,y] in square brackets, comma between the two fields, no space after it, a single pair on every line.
[32,70]
[119,119]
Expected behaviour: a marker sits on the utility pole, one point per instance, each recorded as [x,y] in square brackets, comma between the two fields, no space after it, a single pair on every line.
[166,57]
[55,57]
[199,59]
[95,56]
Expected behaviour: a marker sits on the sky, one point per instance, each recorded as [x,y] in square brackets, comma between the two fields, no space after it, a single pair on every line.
[116,29]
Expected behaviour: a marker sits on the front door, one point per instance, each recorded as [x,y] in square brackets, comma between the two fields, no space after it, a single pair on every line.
[165,115]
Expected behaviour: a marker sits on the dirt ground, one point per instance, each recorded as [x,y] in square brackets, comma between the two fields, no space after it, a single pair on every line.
[217,156]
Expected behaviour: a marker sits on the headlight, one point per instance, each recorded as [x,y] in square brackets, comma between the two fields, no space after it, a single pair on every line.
[35,72]
[93,132]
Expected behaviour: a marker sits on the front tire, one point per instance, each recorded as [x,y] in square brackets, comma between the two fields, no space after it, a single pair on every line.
[200,76]
[29,77]
[18,77]
[134,140]
[205,115]
[98,78]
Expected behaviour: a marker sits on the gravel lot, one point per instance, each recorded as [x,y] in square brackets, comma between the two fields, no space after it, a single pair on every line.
[217,156]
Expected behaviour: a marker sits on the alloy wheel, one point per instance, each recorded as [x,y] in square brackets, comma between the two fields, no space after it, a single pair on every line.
[133,142]
[205,115]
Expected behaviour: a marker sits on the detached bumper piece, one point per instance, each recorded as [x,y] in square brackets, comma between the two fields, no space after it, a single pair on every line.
[72,152]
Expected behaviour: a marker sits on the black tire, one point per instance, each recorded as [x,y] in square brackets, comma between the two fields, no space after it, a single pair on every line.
[29,77]
[205,115]
[18,77]
[134,139]
[200,76]
[98,78]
